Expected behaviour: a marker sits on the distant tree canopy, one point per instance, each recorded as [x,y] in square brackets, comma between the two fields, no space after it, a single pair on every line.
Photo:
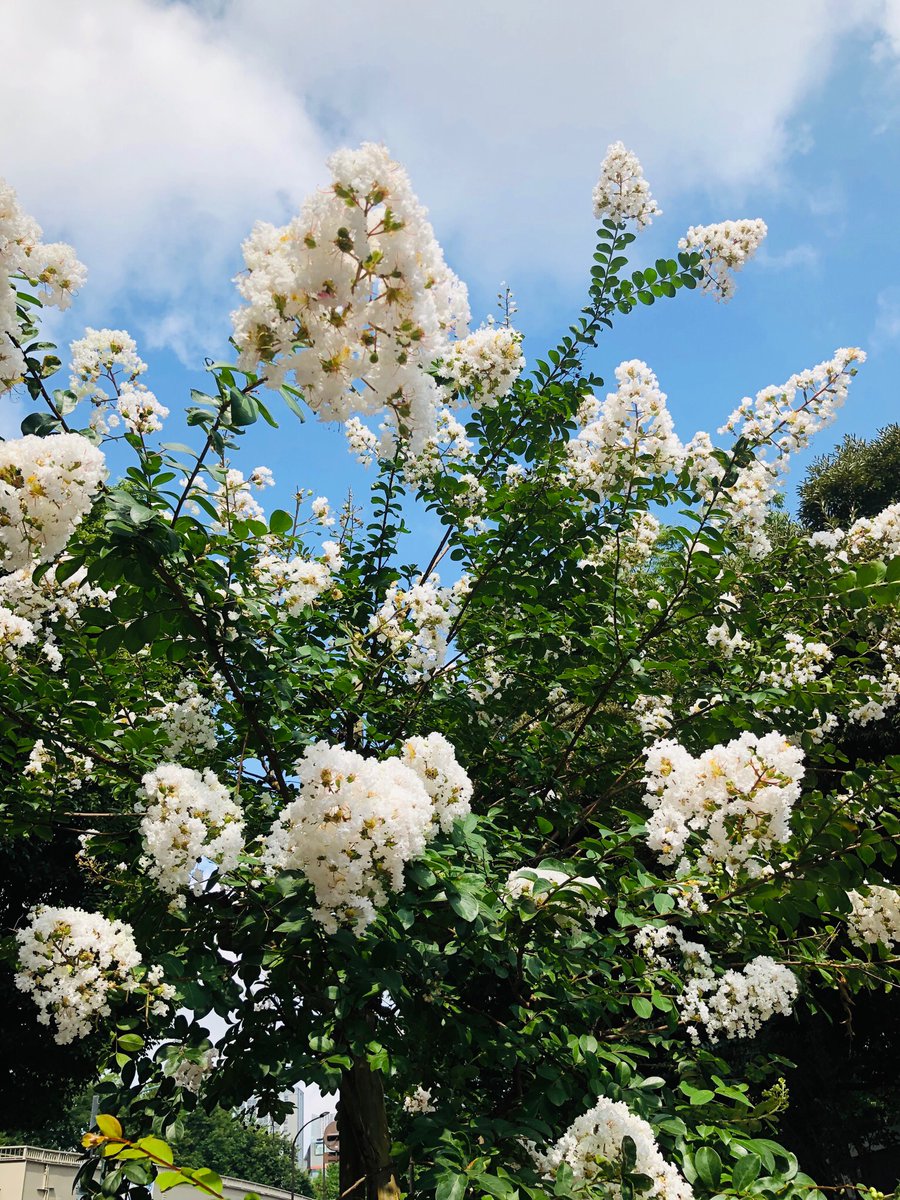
[235,1145]
[857,479]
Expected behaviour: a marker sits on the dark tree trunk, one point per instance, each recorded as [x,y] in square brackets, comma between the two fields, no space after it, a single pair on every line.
[366,1170]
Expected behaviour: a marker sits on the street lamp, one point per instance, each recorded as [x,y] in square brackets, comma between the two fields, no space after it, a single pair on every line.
[317,1117]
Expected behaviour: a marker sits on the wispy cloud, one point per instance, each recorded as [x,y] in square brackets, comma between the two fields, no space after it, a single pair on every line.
[804,256]
[886,329]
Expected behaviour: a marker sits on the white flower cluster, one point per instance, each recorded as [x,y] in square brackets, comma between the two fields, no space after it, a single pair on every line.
[657,942]
[71,962]
[190,1074]
[542,885]
[880,696]
[739,795]
[805,662]
[46,602]
[415,623]
[15,634]
[653,713]
[875,917]
[724,249]
[484,365]
[448,444]
[51,266]
[355,290]
[628,547]
[418,1101]
[188,721]
[47,484]
[721,637]
[353,828]
[299,582]
[187,816]
[111,354]
[736,1004]
[787,416]
[622,193]
[234,499]
[434,761]
[592,1147]
[362,441]
[630,433]
[875,537]
[71,773]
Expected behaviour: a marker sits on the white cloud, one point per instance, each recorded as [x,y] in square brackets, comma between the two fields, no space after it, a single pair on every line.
[145,138]
[803,257]
[156,133]
[887,318]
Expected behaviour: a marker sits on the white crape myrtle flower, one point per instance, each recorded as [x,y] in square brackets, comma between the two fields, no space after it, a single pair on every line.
[140,409]
[787,416]
[103,353]
[298,583]
[739,795]
[622,193]
[542,885]
[725,249]
[657,943]
[46,601]
[188,721]
[47,485]
[15,634]
[354,826]
[736,1004]
[804,663]
[875,917]
[721,638]
[353,298]
[448,444]
[187,815]
[415,623]
[52,268]
[875,537]
[653,713]
[72,963]
[234,499]
[484,365]
[418,1101]
[433,759]
[321,511]
[362,441]
[191,1074]
[630,433]
[592,1148]
[629,546]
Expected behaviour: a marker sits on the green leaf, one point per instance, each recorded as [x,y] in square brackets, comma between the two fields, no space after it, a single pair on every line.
[642,1006]
[130,1042]
[169,1179]
[745,1171]
[280,521]
[40,424]
[157,1148]
[709,1166]
[463,904]
[451,1187]
[243,409]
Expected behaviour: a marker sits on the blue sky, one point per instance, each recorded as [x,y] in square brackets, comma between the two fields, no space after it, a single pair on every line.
[160,131]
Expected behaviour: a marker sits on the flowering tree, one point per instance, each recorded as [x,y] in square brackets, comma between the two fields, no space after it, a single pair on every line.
[519,848]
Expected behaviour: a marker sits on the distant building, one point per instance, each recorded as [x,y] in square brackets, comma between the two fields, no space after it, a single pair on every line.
[323,1150]
[31,1173]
